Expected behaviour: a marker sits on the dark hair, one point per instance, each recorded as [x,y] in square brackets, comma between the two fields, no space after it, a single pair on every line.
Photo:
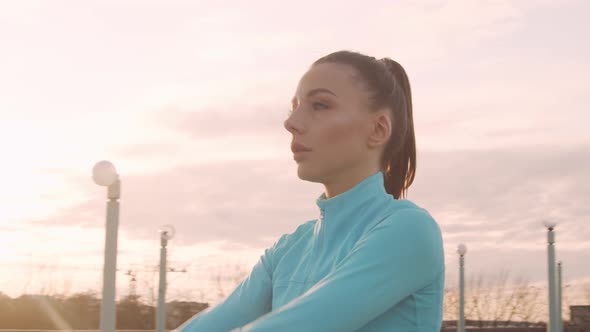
[389,86]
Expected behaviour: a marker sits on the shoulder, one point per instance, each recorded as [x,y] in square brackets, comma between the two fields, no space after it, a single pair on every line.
[411,219]
[410,229]
[406,210]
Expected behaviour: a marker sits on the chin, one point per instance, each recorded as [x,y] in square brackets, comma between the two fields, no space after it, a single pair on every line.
[306,173]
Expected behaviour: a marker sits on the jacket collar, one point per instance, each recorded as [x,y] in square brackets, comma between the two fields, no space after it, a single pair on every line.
[346,203]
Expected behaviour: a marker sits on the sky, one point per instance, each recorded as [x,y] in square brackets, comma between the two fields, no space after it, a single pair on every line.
[188,99]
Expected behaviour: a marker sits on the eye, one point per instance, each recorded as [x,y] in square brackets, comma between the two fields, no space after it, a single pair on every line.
[319,105]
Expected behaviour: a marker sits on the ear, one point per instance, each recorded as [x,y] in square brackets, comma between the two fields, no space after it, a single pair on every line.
[379,128]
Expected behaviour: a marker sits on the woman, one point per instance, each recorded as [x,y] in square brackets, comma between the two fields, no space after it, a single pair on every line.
[371,261]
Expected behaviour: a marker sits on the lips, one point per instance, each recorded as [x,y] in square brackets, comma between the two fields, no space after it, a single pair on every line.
[298,147]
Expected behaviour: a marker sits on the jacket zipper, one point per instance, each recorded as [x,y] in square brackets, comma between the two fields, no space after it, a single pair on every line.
[316,246]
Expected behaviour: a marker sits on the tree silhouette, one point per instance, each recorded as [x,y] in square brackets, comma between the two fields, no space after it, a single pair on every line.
[82,312]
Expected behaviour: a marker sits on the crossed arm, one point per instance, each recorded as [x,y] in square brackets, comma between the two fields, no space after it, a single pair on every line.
[398,257]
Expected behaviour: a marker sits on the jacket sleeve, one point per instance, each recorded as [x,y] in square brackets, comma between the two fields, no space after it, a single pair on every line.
[398,257]
[249,300]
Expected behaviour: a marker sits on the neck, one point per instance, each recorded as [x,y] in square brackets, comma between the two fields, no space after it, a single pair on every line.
[343,181]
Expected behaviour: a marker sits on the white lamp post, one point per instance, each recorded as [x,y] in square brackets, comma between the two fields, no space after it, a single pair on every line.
[105,174]
[559,289]
[166,233]
[553,327]
[461,250]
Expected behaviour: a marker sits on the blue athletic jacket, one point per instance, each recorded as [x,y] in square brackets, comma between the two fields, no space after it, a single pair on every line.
[368,263]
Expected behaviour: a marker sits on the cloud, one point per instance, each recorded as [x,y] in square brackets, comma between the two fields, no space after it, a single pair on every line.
[493,79]
[232,120]
[489,195]
[241,201]
[541,181]
[495,200]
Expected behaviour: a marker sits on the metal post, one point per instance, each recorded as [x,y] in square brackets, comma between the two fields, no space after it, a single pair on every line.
[552,293]
[161,311]
[461,327]
[108,305]
[559,289]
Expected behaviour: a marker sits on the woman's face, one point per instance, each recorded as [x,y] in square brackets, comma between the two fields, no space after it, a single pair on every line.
[330,116]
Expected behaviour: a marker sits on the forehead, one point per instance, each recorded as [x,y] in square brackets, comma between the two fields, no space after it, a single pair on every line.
[341,79]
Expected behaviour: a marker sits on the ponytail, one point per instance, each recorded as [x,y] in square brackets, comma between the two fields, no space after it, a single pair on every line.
[400,154]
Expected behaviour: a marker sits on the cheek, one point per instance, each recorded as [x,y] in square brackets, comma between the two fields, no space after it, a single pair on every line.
[341,136]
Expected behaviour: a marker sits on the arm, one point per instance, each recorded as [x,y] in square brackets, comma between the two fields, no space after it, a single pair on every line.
[249,300]
[398,257]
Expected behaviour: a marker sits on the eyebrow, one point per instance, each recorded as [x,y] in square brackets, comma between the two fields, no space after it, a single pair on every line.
[319,90]
[314,92]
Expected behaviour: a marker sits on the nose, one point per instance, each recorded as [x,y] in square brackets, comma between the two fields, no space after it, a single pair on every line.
[292,124]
